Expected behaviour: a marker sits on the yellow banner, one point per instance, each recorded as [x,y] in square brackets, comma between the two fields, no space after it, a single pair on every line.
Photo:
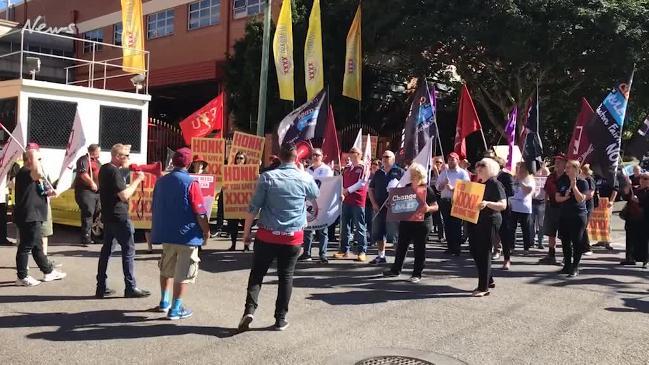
[239,182]
[283,51]
[599,225]
[133,37]
[252,146]
[139,205]
[313,64]
[213,151]
[466,200]
[354,60]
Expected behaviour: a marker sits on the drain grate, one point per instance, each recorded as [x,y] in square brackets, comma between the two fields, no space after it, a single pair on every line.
[393,360]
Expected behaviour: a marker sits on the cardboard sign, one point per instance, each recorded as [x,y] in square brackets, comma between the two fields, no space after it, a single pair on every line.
[239,182]
[213,151]
[540,183]
[406,204]
[139,205]
[466,199]
[252,146]
[208,190]
[599,226]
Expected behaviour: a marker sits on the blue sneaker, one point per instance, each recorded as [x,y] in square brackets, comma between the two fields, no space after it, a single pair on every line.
[179,313]
[163,307]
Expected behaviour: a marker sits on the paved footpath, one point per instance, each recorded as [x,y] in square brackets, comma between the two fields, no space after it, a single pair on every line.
[341,313]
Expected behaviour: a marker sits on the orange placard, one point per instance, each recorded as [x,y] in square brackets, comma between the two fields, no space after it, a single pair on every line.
[139,206]
[239,182]
[213,151]
[252,146]
[466,199]
[599,225]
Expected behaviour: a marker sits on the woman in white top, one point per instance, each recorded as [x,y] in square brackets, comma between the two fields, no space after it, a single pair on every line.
[521,205]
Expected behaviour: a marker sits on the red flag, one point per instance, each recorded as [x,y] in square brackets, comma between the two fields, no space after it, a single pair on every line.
[203,121]
[580,147]
[330,147]
[467,122]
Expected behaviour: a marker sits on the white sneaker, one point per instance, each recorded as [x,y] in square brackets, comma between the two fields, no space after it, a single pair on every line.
[28,281]
[54,275]
[495,256]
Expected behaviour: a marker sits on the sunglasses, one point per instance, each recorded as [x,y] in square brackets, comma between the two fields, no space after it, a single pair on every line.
[387,156]
[124,155]
[240,158]
[481,164]
[438,162]
[317,155]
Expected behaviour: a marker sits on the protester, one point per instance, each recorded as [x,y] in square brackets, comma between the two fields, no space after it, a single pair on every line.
[606,189]
[552,209]
[279,199]
[3,213]
[317,170]
[198,165]
[369,212]
[86,190]
[446,184]
[438,221]
[587,174]
[483,234]
[383,231]
[353,208]
[636,217]
[415,232]
[233,224]
[114,196]
[179,222]
[571,196]
[521,210]
[507,228]
[634,179]
[30,212]
[538,207]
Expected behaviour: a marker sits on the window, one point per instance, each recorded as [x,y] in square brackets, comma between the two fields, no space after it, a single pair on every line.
[8,109]
[204,13]
[160,24]
[117,34]
[96,35]
[244,8]
[120,125]
[49,122]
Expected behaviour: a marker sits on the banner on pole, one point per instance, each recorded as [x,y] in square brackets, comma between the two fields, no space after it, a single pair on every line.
[213,151]
[139,206]
[239,182]
[251,145]
[406,204]
[323,211]
[207,184]
[540,183]
[466,199]
[599,226]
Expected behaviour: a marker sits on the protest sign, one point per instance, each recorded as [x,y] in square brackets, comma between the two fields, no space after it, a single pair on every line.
[252,146]
[540,183]
[599,225]
[139,205]
[466,199]
[406,204]
[323,211]
[207,184]
[213,151]
[239,183]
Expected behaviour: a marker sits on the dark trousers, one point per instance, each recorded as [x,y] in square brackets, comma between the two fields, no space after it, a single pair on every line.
[482,237]
[637,239]
[525,220]
[332,230]
[122,232]
[263,257]
[572,229]
[438,222]
[88,202]
[452,227]
[31,240]
[3,222]
[507,233]
[586,240]
[415,233]
[233,229]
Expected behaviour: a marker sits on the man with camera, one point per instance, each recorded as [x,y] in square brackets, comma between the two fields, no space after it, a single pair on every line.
[114,196]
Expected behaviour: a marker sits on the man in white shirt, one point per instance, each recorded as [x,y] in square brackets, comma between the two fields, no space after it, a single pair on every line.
[318,170]
[446,184]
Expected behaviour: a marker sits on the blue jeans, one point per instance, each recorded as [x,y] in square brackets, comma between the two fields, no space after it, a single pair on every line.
[323,237]
[122,232]
[352,217]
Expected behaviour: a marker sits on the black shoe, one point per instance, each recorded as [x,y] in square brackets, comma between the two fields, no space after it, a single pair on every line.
[549,259]
[244,324]
[565,270]
[390,274]
[447,252]
[102,293]
[6,243]
[232,248]
[573,273]
[246,248]
[492,285]
[304,257]
[280,325]
[136,293]
[324,260]
[627,262]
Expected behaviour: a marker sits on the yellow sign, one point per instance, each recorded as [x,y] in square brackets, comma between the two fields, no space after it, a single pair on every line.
[252,146]
[132,37]
[353,60]
[313,64]
[213,151]
[140,204]
[466,200]
[283,52]
[599,225]
[239,182]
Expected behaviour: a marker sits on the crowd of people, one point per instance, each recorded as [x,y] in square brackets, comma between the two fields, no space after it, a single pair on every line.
[560,209]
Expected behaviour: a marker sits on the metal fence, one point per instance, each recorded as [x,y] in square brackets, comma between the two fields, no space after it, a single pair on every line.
[162,136]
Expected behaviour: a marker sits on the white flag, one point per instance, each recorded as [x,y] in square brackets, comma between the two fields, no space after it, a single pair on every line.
[358,143]
[423,158]
[11,151]
[367,157]
[73,151]
[323,211]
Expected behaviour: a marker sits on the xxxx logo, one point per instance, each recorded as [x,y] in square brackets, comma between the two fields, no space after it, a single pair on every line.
[238,198]
[286,65]
[311,71]
[351,66]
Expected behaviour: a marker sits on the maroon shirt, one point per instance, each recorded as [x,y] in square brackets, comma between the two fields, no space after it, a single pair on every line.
[351,176]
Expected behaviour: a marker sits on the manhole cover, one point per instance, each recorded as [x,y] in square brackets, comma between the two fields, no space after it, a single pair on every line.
[393,360]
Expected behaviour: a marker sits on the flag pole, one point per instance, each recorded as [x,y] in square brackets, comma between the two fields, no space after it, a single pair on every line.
[430,100]
[263,75]
[12,137]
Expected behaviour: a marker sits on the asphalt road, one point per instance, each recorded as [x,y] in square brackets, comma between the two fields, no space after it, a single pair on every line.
[341,313]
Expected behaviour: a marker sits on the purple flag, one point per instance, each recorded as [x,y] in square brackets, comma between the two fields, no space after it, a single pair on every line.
[510,131]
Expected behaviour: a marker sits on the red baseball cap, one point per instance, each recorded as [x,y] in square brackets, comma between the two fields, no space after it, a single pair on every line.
[453,155]
[182,157]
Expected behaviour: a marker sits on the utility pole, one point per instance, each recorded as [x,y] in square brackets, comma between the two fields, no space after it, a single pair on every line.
[263,77]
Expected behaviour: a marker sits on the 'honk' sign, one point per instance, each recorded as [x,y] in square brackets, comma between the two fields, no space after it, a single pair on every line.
[466,200]
[239,182]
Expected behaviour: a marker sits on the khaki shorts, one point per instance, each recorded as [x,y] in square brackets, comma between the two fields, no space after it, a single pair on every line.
[179,262]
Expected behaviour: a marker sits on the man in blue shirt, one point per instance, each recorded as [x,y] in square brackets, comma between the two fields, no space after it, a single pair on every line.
[179,222]
[280,200]
[383,231]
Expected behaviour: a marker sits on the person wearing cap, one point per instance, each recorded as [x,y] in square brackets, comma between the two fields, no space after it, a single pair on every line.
[317,170]
[280,201]
[179,222]
[114,196]
[86,190]
[198,165]
[353,208]
[446,185]
[552,209]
